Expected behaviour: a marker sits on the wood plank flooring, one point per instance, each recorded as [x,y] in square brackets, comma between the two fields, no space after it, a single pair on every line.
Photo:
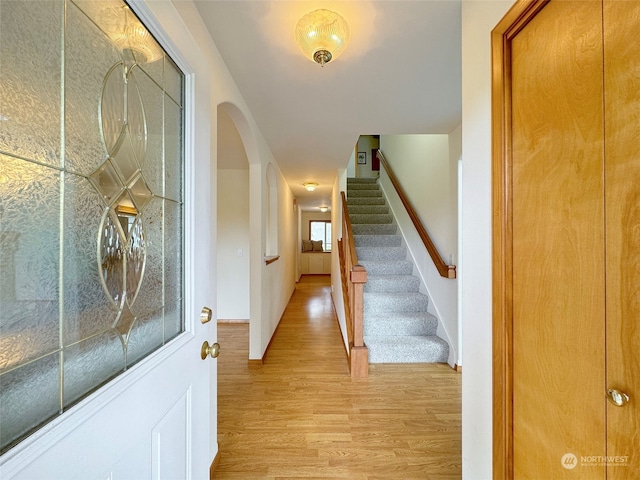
[300,415]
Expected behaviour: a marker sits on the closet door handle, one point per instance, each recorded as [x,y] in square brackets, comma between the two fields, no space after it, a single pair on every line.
[618,398]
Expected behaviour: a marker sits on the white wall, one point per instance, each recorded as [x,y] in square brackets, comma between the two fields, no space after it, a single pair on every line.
[351,166]
[233,244]
[279,277]
[455,154]
[478,19]
[340,185]
[430,192]
[271,286]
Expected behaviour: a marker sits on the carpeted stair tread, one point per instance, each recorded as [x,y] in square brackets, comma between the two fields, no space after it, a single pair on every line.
[395,302]
[373,209]
[377,240]
[362,186]
[371,218]
[366,201]
[351,180]
[392,283]
[363,193]
[377,253]
[401,324]
[406,349]
[375,229]
[389,267]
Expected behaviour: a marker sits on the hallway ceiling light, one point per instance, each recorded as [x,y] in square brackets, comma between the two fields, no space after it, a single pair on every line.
[322,35]
[323,209]
[311,186]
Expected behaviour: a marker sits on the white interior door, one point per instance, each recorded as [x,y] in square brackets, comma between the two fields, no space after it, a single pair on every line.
[152,421]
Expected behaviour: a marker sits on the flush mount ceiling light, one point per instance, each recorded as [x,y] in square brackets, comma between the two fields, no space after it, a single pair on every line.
[322,35]
[311,186]
[323,209]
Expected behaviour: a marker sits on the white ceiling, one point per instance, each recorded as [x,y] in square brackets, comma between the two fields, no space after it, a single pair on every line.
[400,74]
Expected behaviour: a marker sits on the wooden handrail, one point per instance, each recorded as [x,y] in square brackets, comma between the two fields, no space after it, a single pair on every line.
[446,271]
[346,222]
[353,276]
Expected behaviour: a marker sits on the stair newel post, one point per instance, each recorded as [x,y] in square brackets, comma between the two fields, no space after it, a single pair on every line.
[359,353]
[358,279]
[354,277]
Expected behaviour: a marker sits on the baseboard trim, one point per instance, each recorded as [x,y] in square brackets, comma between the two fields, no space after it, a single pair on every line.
[240,321]
[335,312]
[214,465]
[457,368]
[260,361]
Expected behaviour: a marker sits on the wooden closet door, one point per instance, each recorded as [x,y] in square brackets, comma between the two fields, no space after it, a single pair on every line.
[622,187]
[558,220]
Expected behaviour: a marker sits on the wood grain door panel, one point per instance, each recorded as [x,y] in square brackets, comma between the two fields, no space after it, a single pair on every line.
[622,193]
[558,241]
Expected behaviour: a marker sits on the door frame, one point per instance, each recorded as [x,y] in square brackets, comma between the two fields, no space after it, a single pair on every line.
[522,12]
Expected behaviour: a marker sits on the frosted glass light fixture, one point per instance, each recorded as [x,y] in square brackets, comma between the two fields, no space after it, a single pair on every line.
[324,209]
[310,186]
[322,35]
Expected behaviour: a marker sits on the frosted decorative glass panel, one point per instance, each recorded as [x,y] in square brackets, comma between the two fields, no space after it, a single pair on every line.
[113,108]
[173,81]
[88,56]
[155,70]
[29,261]
[136,122]
[125,159]
[173,149]
[87,310]
[136,259]
[29,396]
[111,246]
[90,247]
[30,90]
[172,269]
[107,181]
[90,363]
[150,292]
[152,100]
[146,335]
[140,193]
[103,13]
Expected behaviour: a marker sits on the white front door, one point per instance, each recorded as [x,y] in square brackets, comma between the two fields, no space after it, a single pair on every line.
[152,421]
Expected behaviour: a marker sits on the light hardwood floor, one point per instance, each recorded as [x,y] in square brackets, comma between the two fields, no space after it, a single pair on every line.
[299,415]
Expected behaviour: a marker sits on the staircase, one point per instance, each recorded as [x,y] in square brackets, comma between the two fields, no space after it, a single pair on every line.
[397,326]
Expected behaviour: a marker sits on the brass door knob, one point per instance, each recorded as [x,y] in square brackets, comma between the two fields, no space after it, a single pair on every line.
[618,398]
[213,350]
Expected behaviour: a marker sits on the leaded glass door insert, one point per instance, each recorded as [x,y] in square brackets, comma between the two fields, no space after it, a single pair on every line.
[91,203]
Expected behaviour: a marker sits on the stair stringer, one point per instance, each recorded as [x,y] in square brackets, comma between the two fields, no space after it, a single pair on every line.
[442,292]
